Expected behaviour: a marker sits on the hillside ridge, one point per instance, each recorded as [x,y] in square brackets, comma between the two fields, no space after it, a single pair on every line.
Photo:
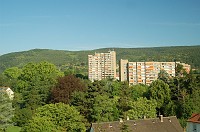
[186,54]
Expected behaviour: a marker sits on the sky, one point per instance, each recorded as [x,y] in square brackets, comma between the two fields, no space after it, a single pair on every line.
[91,24]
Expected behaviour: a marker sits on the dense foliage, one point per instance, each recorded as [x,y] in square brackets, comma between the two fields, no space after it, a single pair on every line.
[142,107]
[56,117]
[6,111]
[47,100]
[65,87]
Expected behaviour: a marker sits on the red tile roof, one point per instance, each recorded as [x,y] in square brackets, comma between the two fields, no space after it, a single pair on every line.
[195,118]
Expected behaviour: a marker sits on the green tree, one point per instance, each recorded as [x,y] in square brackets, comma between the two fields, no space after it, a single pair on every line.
[139,91]
[97,103]
[59,116]
[13,72]
[10,76]
[6,111]
[185,94]
[8,82]
[103,108]
[111,87]
[142,107]
[98,92]
[39,78]
[195,99]
[160,91]
[164,76]
[180,71]
[33,88]
[69,72]
[42,124]
[125,97]
[21,116]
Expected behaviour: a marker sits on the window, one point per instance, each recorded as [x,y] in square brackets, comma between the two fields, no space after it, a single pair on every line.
[194,127]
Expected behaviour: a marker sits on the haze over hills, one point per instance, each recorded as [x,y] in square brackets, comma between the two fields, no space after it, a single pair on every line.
[186,54]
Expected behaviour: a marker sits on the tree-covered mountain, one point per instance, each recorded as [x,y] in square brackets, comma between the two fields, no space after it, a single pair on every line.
[186,54]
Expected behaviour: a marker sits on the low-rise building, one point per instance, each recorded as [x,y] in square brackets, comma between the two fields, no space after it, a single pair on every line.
[162,124]
[193,123]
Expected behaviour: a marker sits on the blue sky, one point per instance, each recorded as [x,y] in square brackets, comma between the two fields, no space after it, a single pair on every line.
[92,24]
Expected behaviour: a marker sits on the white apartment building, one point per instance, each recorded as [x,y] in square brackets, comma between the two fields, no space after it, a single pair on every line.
[146,72]
[123,72]
[102,66]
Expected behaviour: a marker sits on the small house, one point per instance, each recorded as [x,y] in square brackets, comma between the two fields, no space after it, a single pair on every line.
[193,123]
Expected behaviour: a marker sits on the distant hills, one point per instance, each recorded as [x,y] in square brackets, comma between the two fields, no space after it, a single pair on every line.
[186,54]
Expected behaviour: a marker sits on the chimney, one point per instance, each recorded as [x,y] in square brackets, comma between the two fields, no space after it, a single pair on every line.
[127,118]
[120,120]
[161,118]
[134,123]
[145,117]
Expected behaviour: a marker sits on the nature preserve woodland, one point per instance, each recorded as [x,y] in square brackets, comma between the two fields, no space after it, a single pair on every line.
[45,90]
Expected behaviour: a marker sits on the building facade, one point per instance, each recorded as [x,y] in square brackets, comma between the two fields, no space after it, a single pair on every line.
[193,123]
[102,66]
[146,72]
[123,73]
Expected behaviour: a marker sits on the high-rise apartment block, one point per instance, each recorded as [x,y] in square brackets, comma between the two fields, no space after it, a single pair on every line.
[123,72]
[102,66]
[146,72]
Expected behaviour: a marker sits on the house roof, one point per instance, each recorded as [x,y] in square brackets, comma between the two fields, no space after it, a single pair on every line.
[169,124]
[8,91]
[4,88]
[195,118]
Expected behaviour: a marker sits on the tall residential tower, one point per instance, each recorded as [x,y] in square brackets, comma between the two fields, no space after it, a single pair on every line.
[102,66]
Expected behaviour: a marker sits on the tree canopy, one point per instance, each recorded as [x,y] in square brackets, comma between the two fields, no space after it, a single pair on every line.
[160,91]
[56,117]
[142,107]
[65,87]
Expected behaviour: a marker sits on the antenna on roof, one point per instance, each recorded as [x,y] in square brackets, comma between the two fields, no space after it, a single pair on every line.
[120,120]
[134,123]
[161,118]
[127,118]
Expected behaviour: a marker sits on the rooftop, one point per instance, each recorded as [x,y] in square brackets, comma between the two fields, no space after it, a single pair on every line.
[195,118]
[168,124]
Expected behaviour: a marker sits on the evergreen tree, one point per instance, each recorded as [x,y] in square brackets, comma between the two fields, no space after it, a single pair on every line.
[6,111]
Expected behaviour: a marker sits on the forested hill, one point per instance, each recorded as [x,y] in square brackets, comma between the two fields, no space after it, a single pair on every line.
[187,54]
